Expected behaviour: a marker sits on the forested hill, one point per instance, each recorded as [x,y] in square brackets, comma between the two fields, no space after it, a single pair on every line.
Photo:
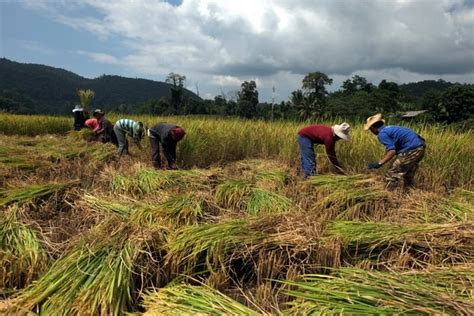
[33,88]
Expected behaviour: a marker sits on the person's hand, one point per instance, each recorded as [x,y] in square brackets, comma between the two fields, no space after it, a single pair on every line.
[173,166]
[374,165]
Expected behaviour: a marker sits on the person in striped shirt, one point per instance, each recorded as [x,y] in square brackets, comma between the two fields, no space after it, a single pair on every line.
[125,127]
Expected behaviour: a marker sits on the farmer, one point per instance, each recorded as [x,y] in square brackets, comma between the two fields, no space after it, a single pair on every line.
[320,134]
[105,132]
[79,118]
[92,123]
[402,142]
[133,129]
[168,135]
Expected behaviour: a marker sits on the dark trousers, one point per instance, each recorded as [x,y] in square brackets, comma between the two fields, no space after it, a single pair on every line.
[155,152]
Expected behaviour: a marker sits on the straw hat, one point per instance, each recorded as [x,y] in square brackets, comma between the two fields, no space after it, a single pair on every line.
[372,120]
[342,130]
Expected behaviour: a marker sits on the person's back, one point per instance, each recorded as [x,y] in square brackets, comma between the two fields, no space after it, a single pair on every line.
[162,130]
[79,117]
[400,138]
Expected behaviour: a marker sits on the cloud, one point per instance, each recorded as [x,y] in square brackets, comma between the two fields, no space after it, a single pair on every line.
[226,42]
[35,47]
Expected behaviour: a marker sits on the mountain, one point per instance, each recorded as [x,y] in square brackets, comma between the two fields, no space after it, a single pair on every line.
[33,88]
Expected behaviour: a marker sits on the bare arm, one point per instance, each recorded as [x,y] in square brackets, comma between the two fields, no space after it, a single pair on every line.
[388,156]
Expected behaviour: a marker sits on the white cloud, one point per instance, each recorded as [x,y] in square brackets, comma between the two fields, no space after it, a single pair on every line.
[223,43]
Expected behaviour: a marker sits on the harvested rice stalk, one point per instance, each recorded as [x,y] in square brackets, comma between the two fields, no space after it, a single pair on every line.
[266,202]
[271,179]
[184,209]
[30,192]
[108,206]
[453,241]
[349,197]
[360,292]
[207,246]
[233,194]
[22,256]
[94,277]
[183,299]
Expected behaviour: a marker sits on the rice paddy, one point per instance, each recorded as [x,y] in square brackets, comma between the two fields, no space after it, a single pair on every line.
[236,231]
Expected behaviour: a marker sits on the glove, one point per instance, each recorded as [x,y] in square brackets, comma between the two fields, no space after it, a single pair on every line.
[374,165]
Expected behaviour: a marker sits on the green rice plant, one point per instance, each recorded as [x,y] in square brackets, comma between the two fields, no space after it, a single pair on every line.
[93,277]
[360,292]
[31,192]
[340,182]
[22,255]
[267,202]
[209,246]
[183,299]
[233,193]
[454,241]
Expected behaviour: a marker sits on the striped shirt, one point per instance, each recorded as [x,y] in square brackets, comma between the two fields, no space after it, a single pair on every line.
[132,128]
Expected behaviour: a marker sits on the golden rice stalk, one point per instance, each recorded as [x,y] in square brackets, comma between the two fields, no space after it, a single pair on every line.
[233,194]
[22,255]
[183,299]
[360,292]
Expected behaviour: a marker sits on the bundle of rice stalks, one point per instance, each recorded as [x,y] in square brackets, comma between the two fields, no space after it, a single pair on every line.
[31,192]
[22,256]
[106,206]
[233,194]
[349,197]
[431,207]
[184,209]
[95,277]
[267,202]
[209,247]
[273,179]
[431,243]
[185,299]
[360,292]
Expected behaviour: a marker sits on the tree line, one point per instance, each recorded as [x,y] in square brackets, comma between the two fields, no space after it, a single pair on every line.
[356,99]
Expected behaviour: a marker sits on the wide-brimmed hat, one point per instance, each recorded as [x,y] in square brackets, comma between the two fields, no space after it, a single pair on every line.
[342,131]
[77,107]
[372,120]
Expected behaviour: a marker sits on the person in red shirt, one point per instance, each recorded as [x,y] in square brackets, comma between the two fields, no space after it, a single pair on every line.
[324,135]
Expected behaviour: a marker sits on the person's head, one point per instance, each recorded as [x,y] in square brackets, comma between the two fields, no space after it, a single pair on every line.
[98,114]
[341,131]
[374,123]
[177,133]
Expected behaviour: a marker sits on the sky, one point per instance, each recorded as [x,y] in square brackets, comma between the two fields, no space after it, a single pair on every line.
[218,44]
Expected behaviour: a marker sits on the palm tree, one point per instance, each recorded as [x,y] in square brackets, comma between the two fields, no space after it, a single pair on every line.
[86,97]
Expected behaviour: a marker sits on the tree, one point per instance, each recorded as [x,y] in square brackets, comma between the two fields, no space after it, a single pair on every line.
[177,83]
[86,97]
[307,106]
[314,83]
[357,83]
[456,104]
[247,99]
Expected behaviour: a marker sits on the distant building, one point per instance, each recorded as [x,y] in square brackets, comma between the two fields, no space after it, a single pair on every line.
[412,114]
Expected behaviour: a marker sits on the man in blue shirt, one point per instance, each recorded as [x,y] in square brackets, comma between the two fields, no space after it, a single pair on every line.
[408,146]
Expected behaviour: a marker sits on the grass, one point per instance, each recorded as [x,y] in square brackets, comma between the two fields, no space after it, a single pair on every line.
[360,292]
[233,193]
[267,202]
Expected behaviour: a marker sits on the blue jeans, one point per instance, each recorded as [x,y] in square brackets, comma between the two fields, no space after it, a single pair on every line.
[308,157]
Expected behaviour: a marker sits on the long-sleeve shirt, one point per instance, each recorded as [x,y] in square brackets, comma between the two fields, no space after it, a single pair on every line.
[162,133]
[131,128]
[92,123]
[324,135]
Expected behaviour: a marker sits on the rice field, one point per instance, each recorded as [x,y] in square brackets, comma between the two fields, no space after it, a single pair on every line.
[235,231]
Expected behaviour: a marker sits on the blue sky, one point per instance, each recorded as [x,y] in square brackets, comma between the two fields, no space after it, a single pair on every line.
[218,44]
